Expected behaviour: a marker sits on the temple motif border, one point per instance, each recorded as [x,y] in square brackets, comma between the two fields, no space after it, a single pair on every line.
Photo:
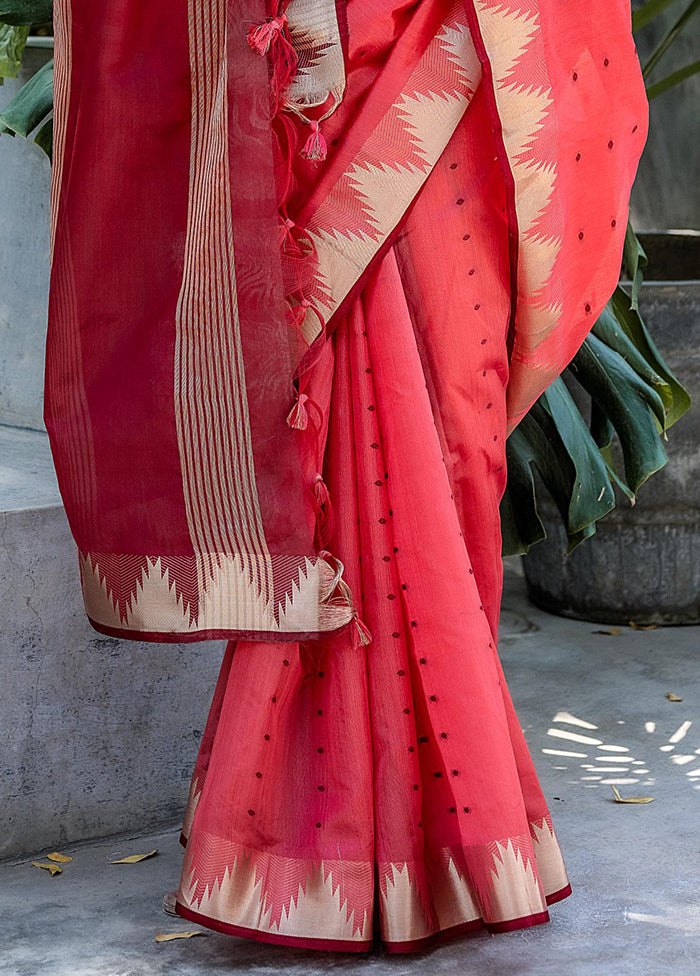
[279,899]
[209,596]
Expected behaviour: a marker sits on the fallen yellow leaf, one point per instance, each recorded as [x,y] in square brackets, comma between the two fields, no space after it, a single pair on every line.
[672,697]
[61,858]
[635,626]
[630,799]
[134,858]
[169,936]
[53,868]
[613,631]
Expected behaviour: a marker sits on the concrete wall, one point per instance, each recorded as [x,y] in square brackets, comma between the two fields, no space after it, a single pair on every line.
[97,735]
[666,194]
[24,265]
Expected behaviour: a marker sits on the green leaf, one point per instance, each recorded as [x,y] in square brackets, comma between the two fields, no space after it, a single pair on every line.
[32,103]
[521,526]
[592,494]
[648,11]
[551,458]
[635,409]
[607,455]
[611,332]
[602,430]
[12,42]
[44,138]
[670,36]
[26,11]
[675,78]
[634,258]
[556,468]
[634,327]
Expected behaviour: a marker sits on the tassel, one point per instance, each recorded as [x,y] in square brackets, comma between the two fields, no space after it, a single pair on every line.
[363,635]
[325,519]
[300,312]
[260,37]
[363,631]
[298,418]
[275,33]
[329,557]
[315,146]
[286,230]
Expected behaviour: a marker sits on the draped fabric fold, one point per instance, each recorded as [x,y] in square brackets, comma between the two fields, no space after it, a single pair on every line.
[180,329]
[312,261]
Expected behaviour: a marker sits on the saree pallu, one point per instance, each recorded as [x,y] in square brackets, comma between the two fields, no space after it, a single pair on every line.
[311,264]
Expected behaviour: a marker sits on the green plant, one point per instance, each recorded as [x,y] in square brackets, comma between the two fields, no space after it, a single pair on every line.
[12,42]
[32,106]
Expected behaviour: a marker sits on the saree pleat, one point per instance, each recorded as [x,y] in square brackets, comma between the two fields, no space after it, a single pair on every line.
[396,774]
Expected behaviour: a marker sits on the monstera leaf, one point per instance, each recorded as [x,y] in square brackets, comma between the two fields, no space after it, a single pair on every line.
[32,106]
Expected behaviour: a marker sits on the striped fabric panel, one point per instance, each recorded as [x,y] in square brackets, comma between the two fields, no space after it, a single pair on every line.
[62,17]
[213,428]
[66,410]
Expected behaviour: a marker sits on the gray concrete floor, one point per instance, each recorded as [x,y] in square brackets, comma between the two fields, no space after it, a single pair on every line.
[634,869]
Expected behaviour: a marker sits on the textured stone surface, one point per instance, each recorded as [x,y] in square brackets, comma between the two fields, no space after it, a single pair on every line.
[97,734]
[667,190]
[634,910]
[27,476]
[24,265]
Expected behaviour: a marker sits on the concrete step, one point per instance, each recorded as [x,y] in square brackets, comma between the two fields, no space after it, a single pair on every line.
[633,868]
[97,734]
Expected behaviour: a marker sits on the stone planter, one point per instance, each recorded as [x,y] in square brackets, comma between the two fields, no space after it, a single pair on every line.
[643,563]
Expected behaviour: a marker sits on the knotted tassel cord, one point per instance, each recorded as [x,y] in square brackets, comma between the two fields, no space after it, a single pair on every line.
[260,37]
[273,39]
[286,231]
[325,516]
[298,417]
[315,146]
[363,634]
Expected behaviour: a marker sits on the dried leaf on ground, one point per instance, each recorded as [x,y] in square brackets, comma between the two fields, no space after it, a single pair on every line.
[52,868]
[134,858]
[61,858]
[612,631]
[170,936]
[672,697]
[630,799]
[635,626]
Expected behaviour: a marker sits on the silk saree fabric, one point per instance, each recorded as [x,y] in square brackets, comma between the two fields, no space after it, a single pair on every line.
[311,264]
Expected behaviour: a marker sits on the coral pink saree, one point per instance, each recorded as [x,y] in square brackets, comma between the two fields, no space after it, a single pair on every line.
[312,262]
